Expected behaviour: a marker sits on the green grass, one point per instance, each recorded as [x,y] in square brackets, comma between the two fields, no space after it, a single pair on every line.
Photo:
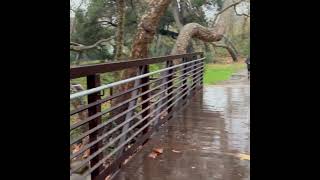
[215,73]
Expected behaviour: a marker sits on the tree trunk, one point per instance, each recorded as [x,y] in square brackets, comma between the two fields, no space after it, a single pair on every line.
[144,36]
[78,58]
[120,27]
[158,45]
[233,54]
[229,43]
[176,16]
[244,24]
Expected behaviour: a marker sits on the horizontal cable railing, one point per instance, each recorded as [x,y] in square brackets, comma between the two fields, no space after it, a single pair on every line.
[106,131]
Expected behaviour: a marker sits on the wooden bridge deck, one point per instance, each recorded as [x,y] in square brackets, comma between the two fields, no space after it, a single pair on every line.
[209,139]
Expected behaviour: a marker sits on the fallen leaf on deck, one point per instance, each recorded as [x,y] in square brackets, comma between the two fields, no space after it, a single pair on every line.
[158,150]
[108,177]
[86,153]
[175,151]
[125,162]
[153,155]
[76,148]
[244,156]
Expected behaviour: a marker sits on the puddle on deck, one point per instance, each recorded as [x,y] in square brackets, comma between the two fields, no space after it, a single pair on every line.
[203,142]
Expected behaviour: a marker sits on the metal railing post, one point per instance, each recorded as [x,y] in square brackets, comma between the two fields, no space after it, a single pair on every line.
[92,82]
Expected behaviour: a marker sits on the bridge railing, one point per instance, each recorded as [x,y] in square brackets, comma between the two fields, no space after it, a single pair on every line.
[114,121]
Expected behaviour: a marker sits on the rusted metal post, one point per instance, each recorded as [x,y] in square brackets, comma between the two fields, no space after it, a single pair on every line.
[145,69]
[169,86]
[92,82]
[184,82]
[194,67]
[130,113]
[202,69]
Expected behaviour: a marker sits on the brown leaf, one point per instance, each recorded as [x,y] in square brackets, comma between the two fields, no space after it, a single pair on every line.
[153,155]
[76,148]
[108,177]
[244,156]
[158,150]
[127,160]
[86,153]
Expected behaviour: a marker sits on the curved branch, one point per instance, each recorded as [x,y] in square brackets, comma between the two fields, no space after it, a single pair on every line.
[242,14]
[79,47]
[194,30]
[229,49]
[75,44]
[223,10]
[229,43]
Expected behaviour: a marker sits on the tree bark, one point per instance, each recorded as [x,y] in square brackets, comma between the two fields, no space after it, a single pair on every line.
[144,36]
[176,16]
[118,49]
[229,43]
[230,51]
[120,27]
[194,30]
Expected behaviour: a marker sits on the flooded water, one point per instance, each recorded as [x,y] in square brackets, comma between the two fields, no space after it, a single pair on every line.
[208,140]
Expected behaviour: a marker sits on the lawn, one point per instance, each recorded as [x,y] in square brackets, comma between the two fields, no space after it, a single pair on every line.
[215,73]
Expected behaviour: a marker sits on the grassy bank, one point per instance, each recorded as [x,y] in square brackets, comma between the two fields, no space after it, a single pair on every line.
[215,73]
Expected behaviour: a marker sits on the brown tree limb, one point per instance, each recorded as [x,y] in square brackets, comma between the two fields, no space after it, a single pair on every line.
[144,36]
[147,28]
[229,43]
[229,49]
[194,30]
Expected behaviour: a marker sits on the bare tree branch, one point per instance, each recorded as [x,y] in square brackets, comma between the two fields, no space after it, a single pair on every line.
[230,50]
[223,10]
[79,47]
[75,44]
[81,2]
[242,14]
[108,22]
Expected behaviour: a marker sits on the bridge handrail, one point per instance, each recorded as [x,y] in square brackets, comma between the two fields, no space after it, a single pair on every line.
[100,88]
[150,104]
[85,70]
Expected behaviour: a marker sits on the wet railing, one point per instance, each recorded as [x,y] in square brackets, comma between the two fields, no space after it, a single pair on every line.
[116,118]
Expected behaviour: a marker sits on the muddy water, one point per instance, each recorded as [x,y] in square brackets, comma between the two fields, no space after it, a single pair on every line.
[204,141]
